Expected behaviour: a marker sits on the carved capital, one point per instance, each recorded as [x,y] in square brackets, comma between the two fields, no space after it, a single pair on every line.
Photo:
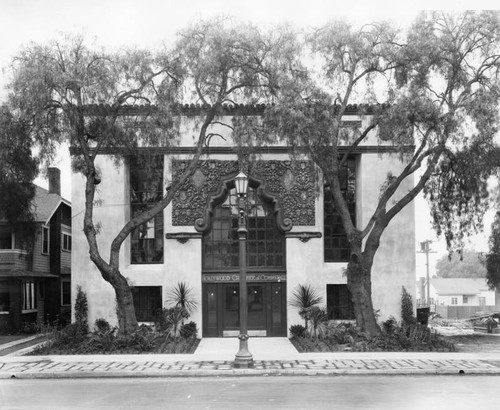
[304,236]
[183,237]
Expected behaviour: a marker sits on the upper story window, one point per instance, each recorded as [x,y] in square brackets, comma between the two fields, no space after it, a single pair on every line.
[45,240]
[265,244]
[336,245]
[66,242]
[6,237]
[146,189]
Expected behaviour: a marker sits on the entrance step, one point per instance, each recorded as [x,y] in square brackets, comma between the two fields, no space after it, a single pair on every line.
[261,348]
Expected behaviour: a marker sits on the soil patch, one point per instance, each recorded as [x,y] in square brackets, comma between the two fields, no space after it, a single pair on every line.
[476,343]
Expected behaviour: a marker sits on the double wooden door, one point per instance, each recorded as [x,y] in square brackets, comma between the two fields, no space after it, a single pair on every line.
[266,309]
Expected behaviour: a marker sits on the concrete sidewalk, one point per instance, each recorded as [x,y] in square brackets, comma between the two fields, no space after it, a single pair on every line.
[272,356]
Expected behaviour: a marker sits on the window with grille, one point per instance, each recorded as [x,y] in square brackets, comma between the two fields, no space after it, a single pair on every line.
[146,189]
[339,302]
[147,302]
[265,244]
[336,245]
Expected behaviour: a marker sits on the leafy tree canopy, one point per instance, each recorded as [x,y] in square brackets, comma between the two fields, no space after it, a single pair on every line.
[435,93]
[103,102]
[466,264]
[18,169]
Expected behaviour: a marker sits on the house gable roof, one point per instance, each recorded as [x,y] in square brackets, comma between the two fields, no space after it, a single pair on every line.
[459,286]
[45,204]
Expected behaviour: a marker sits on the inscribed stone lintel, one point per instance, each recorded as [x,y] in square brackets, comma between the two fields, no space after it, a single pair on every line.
[235,277]
[290,184]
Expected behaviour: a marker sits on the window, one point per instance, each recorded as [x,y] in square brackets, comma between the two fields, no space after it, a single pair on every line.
[29,296]
[147,302]
[65,292]
[465,299]
[5,237]
[482,301]
[4,300]
[265,244]
[336,246]
[454,301]
[339,302]
[66,242]
[146,189]
[45,240]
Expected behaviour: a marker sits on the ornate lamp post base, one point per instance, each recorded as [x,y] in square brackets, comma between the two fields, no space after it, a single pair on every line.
[243,359]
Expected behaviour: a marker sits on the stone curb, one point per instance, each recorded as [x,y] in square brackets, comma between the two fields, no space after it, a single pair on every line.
[243,373]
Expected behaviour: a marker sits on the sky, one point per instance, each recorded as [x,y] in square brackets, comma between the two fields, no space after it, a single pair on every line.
[149,23]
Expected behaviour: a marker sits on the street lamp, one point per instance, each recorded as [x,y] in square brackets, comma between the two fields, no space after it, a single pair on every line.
[243,358]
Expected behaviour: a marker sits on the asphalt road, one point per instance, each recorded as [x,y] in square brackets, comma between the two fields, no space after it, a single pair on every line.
[343,392]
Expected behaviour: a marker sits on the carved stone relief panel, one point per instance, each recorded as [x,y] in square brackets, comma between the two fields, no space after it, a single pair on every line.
[290,184]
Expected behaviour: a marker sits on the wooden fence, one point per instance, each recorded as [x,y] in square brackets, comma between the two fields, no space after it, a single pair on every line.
[463,312]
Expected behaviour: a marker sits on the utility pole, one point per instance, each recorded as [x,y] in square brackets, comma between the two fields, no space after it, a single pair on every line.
[425,247]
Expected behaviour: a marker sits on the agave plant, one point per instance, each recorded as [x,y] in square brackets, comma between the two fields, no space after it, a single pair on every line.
[304,297]
[181,296]
[318,320]
[174,320]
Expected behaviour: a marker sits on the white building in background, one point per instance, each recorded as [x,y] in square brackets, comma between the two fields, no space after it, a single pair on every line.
[294,233]
[461,292]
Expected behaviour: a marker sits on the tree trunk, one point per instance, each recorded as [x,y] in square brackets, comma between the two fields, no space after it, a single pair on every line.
[359,283]
[127,322]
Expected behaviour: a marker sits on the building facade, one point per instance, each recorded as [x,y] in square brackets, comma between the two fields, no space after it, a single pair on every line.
[35,283]
[294,234]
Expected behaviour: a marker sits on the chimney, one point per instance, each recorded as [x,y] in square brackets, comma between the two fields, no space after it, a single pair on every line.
[54,181]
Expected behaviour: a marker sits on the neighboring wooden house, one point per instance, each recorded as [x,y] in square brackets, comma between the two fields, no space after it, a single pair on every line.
[35,284]
[457,298]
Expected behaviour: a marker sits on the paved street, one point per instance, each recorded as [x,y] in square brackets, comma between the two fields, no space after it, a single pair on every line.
[352,392]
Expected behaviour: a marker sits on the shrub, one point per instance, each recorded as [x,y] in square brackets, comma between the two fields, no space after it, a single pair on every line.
[171,320]
[297,331]
[390,325]
[189,330]
[81,311]
[102,325]
[407,316]
[341,333]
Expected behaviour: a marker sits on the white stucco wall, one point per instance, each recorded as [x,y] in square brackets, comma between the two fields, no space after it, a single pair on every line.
[393,268]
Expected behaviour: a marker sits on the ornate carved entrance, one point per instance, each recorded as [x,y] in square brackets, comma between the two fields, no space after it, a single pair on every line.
[281,195]
[265,264]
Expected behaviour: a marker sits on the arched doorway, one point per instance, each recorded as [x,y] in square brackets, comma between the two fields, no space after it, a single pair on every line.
[266,268]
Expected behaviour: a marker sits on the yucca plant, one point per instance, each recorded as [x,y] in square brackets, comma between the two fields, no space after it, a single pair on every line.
[181,296]
[304,297]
